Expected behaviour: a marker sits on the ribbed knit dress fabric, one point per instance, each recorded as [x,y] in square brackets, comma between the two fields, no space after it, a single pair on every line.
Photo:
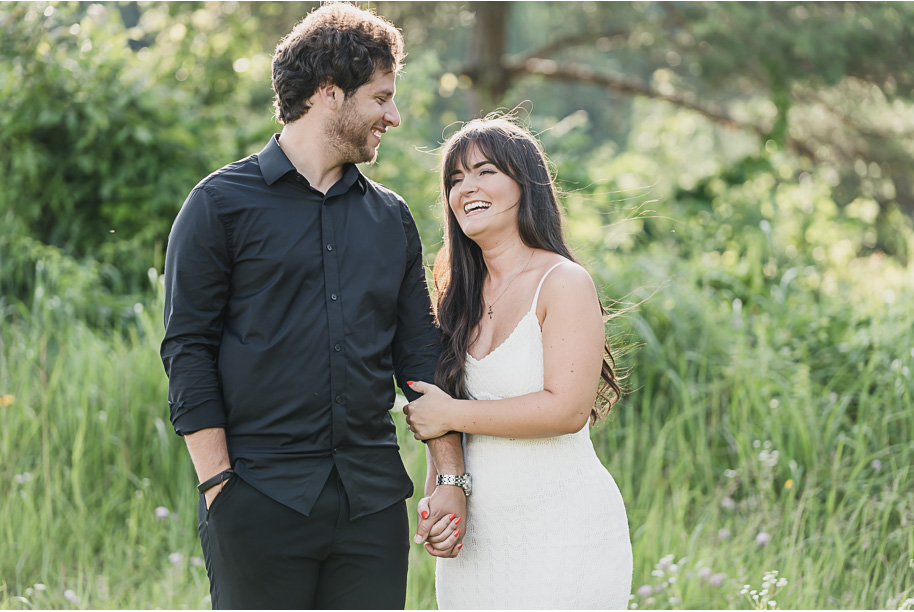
[546,525]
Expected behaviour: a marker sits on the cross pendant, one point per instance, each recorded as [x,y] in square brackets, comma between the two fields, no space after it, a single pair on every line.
[490,312]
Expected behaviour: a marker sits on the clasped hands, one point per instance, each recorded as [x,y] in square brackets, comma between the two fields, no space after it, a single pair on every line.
[441,522]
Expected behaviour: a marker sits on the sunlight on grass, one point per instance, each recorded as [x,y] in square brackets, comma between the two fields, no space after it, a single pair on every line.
[773,437]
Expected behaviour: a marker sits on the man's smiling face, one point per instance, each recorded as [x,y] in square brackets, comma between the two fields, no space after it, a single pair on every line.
[363,118]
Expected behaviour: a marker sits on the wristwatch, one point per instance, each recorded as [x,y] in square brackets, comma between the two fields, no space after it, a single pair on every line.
[464,482]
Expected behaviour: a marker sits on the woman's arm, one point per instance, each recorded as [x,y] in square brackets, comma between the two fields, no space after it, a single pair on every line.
[573,340]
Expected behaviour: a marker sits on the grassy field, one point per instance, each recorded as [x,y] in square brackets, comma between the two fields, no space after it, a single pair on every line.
[768,433]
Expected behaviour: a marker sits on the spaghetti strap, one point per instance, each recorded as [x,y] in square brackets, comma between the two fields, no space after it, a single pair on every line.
[540,286]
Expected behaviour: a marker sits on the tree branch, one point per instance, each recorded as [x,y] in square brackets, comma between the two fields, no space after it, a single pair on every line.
[581,73]
[852,121]
[572,40]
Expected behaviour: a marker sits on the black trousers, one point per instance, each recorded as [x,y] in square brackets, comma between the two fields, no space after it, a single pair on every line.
[262,554]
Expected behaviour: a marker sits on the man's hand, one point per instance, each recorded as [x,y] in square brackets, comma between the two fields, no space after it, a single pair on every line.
[442,521]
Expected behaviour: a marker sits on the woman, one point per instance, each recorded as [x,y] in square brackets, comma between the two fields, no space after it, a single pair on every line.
[523,351]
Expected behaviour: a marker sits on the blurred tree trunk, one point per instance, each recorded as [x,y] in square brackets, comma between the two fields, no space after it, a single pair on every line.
[485,65]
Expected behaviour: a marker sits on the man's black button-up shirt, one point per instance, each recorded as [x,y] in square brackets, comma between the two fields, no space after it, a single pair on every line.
[287,314]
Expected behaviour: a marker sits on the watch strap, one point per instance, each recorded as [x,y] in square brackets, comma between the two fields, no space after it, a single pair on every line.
[462,481]
[449,479]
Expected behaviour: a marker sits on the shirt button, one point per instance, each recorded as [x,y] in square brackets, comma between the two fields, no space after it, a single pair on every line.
[335,450]
[339,399]
[329,247]
[333,296]
[337,348]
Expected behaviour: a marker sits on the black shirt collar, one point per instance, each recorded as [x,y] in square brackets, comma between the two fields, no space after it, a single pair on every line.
[274,165]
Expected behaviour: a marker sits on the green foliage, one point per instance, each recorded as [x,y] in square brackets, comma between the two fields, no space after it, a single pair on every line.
[99,145]
[59,288]
[89,456]
[843,39]
[110,115]
[782,407]
[770,363]
[90,144]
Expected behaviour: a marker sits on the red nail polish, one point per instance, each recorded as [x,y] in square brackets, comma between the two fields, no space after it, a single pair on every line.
[451,517]
[456,533]
[459,546]
[410,382]
[425,514]
[459,518]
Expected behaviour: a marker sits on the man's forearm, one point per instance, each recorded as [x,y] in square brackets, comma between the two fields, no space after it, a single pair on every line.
[447,453]
[208,451]
[430,472]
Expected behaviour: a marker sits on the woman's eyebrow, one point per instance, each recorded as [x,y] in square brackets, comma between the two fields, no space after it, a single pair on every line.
[475,167]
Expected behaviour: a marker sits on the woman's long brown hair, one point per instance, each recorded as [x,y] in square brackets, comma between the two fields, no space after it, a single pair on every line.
[460,270]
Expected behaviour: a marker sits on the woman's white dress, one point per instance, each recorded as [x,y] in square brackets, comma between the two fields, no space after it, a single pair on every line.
[546,525]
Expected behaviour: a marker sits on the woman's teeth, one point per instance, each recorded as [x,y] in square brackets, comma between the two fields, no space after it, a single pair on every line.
[476,205]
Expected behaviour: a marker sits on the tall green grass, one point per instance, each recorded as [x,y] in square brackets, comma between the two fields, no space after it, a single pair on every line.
[86,456]
[770,435]
[767,432]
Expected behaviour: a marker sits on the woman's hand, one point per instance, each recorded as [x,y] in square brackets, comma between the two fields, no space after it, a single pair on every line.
[427,417]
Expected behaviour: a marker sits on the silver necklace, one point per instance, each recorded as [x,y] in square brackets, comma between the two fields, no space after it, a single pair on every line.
[509,284]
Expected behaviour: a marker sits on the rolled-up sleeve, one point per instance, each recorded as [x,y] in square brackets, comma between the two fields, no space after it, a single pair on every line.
[416,346]
[197,276]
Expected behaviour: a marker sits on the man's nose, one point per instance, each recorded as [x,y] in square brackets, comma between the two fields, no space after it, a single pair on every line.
[392,116]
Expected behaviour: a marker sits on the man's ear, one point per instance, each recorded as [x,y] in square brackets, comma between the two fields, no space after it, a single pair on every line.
[330,95]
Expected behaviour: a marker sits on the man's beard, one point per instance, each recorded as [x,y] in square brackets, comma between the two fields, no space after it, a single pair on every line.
[348,136]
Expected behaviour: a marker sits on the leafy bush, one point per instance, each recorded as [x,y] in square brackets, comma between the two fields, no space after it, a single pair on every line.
[98,148]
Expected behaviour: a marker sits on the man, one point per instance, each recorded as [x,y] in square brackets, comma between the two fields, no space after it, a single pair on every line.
[295,292]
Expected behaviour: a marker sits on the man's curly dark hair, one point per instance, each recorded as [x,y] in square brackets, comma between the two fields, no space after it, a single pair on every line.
[337,43]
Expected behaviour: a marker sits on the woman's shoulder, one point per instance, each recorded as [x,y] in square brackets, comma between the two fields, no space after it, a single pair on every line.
[556,269]
[565,281]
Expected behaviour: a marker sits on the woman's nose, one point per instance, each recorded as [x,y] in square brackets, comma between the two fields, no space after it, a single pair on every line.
[467,185]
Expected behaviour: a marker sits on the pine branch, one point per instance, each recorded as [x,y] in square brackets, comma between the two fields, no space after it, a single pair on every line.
[564,42]
[581,73]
